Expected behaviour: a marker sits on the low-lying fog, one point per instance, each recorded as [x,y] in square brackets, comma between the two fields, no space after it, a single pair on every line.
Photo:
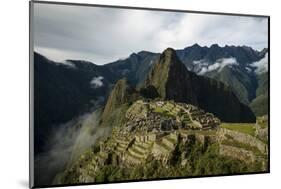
[66,143]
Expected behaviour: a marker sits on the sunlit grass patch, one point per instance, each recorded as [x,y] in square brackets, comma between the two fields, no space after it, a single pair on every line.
[248,128]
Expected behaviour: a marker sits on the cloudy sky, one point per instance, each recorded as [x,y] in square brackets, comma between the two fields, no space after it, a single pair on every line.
[103,35]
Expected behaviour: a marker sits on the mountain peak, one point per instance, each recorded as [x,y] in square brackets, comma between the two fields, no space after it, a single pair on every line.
[133,55]
[196,45]
[121,93]
[169,56]
[166,63]
[173,81]
[215,46]
[169,51]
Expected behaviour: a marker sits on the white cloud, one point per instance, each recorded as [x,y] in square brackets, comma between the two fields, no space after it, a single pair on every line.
[214,66]
[218,65]
[248,69]
[261,66]
[96,82]
[103,35]
[227,62]
[203,71]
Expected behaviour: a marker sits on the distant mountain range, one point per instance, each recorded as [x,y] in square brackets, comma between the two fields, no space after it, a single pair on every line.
[238,67]
[66,89]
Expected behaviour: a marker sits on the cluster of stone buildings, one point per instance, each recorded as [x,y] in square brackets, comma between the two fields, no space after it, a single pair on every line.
[154,128]
[187,115]
[166,116]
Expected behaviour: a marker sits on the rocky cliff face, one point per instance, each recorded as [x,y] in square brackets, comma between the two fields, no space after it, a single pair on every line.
[173,81]
[121,93]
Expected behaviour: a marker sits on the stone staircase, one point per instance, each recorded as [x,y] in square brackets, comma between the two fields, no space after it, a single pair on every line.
[169,141]
[121,145]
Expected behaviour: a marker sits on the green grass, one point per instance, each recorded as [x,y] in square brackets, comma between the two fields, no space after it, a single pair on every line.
[247,128]
[159,110]
[164,112]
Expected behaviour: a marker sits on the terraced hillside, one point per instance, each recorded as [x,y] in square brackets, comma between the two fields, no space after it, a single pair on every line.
[161,139]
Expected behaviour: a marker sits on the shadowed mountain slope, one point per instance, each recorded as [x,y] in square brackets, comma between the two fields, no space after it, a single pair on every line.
[174,82]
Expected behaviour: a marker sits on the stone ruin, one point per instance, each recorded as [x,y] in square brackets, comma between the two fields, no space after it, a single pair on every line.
[155,127]
[166,116]
[202,119]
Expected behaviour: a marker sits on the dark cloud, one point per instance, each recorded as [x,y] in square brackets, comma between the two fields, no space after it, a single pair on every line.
[102,35]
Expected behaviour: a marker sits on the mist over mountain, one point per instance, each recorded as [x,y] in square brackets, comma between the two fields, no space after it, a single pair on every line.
[63,91]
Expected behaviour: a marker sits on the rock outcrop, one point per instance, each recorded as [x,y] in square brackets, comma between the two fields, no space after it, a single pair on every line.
[121,93]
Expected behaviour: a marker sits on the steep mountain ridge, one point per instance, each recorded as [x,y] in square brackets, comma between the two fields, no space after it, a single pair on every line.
[121,93]
[243,54]
[236,70]
[135,67]
[260,103]
[243,83]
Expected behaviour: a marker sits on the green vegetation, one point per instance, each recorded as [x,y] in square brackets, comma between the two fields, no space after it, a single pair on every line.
[260,105]
[119,112]
[237,80]
[163,112]
[248,128]
[159,110]
[121,94]
[200,161]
